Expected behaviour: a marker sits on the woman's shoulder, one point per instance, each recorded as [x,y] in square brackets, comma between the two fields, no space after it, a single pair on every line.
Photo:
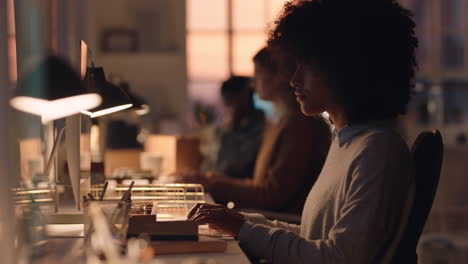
[381,154]
[381,140]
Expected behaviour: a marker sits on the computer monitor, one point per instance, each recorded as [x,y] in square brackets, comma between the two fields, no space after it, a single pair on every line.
[84,59]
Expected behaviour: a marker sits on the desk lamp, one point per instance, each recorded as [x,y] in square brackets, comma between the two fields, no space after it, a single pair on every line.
[52,91]
[139,105]
[114,98]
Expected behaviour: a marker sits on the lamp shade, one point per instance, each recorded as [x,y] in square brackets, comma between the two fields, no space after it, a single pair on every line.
[139,104]
[52,90]
[114,99]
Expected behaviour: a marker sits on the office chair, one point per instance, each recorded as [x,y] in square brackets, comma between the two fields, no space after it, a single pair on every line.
[427,153]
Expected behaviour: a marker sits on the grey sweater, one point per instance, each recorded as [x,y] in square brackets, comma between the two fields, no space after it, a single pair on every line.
[356,211]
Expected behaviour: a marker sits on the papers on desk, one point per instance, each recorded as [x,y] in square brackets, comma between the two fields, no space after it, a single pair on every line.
[65,230]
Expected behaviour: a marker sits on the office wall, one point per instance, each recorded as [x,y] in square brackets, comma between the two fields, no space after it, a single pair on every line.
[158,75]
[7,220]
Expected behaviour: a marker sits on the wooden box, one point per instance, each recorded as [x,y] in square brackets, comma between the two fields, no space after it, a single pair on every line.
[121,158]
[179,152]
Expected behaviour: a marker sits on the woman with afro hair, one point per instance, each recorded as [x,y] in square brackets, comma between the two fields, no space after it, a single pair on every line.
[356,61]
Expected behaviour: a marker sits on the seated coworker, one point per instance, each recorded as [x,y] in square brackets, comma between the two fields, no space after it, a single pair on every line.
[241,132]
[291,155]
[355,60]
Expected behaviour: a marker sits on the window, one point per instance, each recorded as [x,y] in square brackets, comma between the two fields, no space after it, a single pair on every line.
[453,35]
[222,38]
[208,56]
[420,102]
[423,18]
[455,94]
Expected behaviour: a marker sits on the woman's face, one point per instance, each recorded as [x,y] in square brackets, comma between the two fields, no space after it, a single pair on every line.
[266,84]
[311,91]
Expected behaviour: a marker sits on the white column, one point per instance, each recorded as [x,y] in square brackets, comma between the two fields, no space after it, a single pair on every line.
[7,227]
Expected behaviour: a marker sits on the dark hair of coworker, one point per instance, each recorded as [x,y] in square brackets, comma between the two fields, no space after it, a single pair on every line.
[234,86]
[264,59]
[272,61]
[363,49]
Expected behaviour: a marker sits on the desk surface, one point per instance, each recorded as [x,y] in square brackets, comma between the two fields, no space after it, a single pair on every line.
[66,246]
[233,255]
[70,250]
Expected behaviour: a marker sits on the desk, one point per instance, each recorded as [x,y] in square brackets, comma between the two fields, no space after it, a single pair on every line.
[233,255]
[70,249]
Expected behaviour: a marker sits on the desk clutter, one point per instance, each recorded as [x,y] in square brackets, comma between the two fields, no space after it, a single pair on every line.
[173,237]
[155,215]
[170,201]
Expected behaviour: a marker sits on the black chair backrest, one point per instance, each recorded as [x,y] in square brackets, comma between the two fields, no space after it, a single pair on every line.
[427,153]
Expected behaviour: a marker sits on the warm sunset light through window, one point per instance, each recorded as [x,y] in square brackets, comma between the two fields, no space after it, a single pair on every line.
[208,55]
[223,36]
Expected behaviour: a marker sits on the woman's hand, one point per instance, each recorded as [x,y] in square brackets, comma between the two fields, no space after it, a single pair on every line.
[218,217]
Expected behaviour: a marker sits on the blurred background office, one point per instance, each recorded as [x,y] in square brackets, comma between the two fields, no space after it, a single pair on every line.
[175,54]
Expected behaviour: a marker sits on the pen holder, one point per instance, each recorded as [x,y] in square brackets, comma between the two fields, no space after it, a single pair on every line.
[115,214]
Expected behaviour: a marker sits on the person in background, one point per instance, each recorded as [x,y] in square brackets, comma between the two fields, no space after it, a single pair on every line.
[241,132]
[355,60]
[291,156]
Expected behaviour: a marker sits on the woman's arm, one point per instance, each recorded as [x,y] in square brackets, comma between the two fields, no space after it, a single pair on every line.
[376,207]
[230,221]
[262,220]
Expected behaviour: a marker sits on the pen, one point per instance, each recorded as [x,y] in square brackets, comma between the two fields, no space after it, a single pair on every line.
[103,192]
[127,195]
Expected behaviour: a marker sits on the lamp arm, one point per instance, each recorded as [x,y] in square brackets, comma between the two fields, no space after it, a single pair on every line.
[54,152]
